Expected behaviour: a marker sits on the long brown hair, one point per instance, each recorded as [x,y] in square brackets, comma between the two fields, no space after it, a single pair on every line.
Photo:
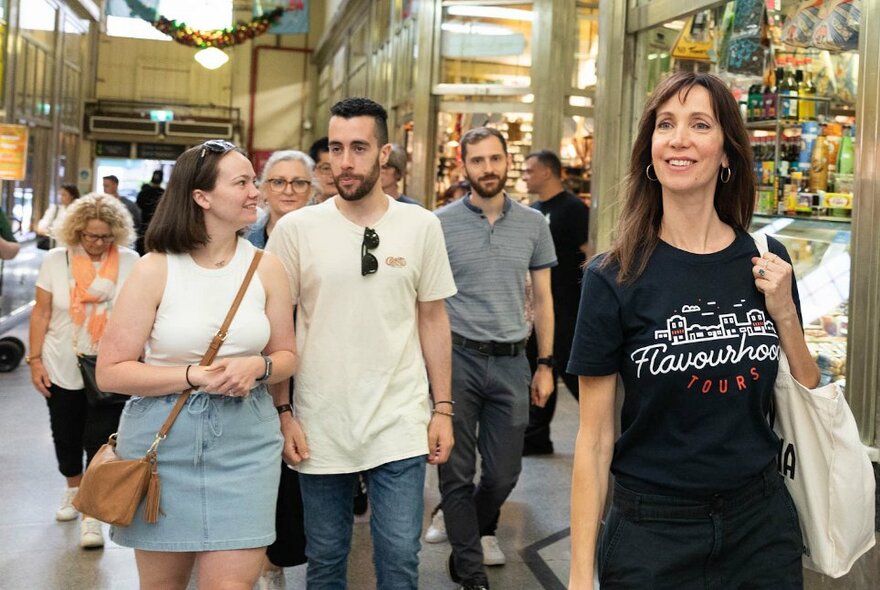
[638,228]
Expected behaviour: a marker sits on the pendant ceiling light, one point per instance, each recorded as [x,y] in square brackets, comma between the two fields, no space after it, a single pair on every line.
[211,58]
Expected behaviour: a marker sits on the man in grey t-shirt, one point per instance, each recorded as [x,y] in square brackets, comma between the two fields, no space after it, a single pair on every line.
[493,243]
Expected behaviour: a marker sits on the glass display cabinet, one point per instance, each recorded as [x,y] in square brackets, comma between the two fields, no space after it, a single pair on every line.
[820,255]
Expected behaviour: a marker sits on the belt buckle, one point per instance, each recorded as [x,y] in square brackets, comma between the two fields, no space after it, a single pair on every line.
[484,348]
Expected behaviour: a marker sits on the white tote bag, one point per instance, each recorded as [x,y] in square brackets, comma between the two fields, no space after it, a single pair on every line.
[825,467]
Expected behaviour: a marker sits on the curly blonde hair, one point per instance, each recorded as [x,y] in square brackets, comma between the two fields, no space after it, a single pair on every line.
[99,206]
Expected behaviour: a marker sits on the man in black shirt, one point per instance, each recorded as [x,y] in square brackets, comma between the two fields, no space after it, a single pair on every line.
[569,221]
[148,200]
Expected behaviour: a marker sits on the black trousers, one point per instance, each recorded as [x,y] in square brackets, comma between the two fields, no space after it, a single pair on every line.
[748,539]
[289,548]
[537,437]
[78,428]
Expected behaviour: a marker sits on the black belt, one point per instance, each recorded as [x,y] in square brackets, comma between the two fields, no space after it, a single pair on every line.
[490,348]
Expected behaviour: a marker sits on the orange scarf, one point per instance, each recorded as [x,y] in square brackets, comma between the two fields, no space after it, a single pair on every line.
[92,290]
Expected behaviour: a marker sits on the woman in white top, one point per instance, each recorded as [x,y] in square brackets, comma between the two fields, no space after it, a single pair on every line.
[53,218]
[219,463]
[76,288]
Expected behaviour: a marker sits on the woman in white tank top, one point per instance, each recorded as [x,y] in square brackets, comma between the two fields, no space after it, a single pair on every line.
[219,464]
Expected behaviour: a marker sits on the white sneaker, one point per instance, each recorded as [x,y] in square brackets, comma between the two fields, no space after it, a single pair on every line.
[91,536]
[492,554]
[272,580]
[436,532]
[66,511]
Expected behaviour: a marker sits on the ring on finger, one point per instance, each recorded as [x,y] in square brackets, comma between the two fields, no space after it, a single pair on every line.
[761,272]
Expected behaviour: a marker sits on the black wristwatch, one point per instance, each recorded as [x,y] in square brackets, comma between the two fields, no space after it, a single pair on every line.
[284,408]
[268,373]
[546,360]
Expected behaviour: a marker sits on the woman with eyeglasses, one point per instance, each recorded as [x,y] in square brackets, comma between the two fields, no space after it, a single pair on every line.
[286,184]
[219,462]
[76,289]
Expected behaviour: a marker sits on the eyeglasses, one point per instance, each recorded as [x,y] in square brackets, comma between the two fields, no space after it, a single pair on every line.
[324,168]
[297,185]
[215,146]
[369,264]
[92,238]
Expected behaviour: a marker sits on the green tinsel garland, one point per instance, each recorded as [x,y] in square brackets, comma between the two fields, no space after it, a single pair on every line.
[220,38]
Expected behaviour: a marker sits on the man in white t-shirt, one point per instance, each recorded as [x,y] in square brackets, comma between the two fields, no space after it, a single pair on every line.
[369,277]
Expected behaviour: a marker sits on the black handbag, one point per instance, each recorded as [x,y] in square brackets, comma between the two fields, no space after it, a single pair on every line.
[48,242]
[94,394]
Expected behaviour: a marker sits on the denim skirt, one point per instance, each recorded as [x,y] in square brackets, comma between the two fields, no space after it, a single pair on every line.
[218,468]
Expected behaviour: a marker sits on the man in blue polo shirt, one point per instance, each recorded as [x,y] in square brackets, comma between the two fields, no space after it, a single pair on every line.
[493,242]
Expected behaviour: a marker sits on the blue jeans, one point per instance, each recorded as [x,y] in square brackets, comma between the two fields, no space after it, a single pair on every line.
[395,490]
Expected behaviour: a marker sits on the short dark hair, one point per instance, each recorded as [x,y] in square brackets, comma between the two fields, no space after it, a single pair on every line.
[178,226]
[357,106]
[549,160]
[157,177]
[478,134]
[321,146]
[112,178]
[72,190]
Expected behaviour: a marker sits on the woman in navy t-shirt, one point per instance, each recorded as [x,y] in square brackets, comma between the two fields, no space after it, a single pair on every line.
[692,318]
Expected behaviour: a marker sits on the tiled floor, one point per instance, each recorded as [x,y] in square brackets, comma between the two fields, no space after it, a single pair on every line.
[38,553]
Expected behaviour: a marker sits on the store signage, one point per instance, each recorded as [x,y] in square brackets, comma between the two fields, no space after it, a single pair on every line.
[113,149]
[161,115]
[13,152]
[159,151]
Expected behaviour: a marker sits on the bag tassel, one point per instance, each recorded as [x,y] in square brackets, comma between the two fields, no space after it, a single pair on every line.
[154,490]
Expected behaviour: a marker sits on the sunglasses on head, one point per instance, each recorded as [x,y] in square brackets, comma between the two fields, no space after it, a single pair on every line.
[369,264]
[215,146]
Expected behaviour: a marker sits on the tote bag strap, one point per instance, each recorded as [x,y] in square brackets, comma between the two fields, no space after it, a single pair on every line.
[208,358]
[760,239]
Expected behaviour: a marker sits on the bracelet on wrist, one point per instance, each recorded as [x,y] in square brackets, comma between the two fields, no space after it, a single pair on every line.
[284,408]
[188,382]
[443,401]
[450,414]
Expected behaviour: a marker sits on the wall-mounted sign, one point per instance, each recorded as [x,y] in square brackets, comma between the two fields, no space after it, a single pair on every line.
[113,149]
[159,151]
[13,152]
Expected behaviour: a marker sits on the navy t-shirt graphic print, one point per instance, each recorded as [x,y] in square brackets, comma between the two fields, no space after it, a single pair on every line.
[697,353]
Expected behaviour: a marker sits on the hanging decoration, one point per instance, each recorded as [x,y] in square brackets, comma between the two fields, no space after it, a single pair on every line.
[219,38]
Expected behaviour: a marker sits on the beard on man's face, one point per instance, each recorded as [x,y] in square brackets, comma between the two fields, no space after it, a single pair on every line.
[361,190]
[497,185]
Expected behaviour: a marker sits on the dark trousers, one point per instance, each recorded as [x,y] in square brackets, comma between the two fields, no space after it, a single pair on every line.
[491,396]
[537,437]
[749,538]
[78,427]
[289,548]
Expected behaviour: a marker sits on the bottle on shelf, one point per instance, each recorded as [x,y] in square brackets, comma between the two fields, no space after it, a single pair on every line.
[788,92]
[755,103]
[844,177]
[769,96]
[807,90]
[819,165]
